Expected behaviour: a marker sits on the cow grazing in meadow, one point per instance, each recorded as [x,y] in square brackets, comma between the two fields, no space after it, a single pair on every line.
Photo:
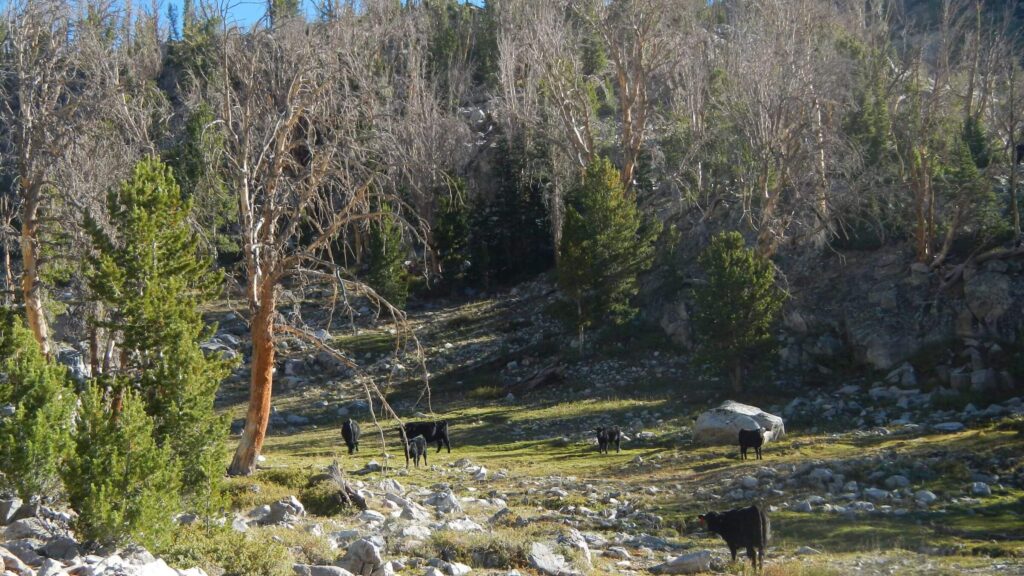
[751,439]
[606,436]
[741,528]
[350,432]
[431,432]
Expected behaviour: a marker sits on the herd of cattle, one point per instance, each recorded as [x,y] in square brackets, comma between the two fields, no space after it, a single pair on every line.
[747,528]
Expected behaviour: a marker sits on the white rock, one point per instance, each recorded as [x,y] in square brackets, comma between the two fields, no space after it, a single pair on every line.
[981,489]
[463,525]
[949,427]
[310,570]
[925,496]
[686,564]
[806,551]
[721,426]
[748,482]
[876,494]
[544,559]
[371,516]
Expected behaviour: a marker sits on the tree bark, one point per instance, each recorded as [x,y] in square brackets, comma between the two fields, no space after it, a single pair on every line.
[31,287]
[260,387]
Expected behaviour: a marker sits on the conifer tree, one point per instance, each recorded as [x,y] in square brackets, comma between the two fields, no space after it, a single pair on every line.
[124,486]
[604,247]
[451,236]
[35,422]
[386,273]
[148,273]
[737,307]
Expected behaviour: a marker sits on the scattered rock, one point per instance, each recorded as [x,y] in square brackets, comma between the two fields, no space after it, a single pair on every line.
[806,551]
[949,427]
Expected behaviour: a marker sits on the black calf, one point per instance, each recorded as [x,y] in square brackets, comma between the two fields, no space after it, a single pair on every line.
[751,439]
[743,528]
[416,448]
[431,432]
[606,436]
[350,432]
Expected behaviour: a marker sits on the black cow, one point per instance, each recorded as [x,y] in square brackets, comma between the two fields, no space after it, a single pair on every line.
[415,449]
[350,432]
[607,435]
[751,439]
[742,528]
[431,432]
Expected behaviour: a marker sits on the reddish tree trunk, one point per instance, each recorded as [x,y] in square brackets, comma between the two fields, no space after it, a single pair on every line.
[249,446]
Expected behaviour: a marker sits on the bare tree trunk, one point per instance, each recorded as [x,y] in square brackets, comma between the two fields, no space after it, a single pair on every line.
[31,287]
[737,378]
[1014,209]
[262,331]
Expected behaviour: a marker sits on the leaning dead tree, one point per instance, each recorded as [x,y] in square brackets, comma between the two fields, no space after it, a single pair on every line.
[299,106]
[38,100]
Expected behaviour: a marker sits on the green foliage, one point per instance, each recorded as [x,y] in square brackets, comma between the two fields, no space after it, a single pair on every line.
[221,550]
[123,485]
[194,54]
[36,439]
[604,247]
[197,168]
[510,234]
[974,136]
[462,36]
[322,498]
[281,10]
[149,276]
[451,235]
[386,273]
[737,307]
[971,194]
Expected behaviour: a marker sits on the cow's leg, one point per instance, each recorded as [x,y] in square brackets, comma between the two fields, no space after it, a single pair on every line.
[618,444]
[758,452]
[743,452]
[732,550]
[752,556]
[424,457]
[447,444]
[760,556]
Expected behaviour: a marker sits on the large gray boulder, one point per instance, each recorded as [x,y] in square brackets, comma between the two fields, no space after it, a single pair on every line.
[544,559]
[311,570]
[721,426]
[362,557]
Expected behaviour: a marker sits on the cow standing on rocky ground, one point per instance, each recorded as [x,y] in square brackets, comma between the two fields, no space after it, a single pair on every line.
[350,432]
[431,432]
[742,528]
[607,435]
[415,449]
[751,439]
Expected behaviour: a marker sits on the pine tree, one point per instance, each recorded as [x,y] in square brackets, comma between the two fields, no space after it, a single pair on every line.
[386,273]
[148,274]
[36,438]
[123,485]
[451,235]
[604,247]
[737,307]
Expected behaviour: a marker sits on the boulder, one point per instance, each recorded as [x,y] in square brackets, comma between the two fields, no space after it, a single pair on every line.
[13,564]
[675,321]
[988,296]
[574,539]
[691,563]
[362,557]
[28,528]
[285,510]
[8,508]
[721,426]
[51,567]
[445,502]
[546,561]
[949,427]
